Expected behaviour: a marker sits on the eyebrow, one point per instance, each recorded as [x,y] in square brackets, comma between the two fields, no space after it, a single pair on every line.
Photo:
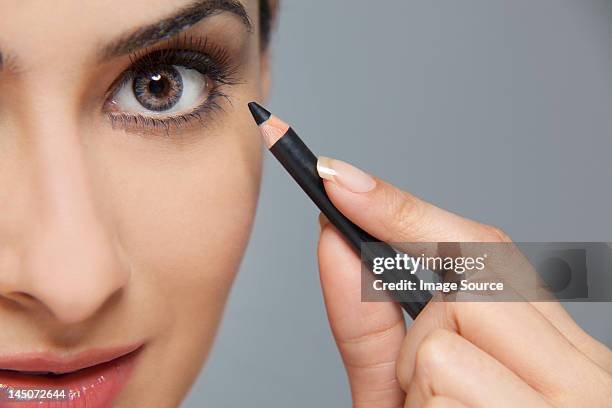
[169,27]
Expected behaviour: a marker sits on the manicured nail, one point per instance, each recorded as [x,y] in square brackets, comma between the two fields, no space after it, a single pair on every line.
[345,175]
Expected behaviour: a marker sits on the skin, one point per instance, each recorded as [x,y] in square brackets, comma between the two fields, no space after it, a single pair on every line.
[111,237]
[455,354]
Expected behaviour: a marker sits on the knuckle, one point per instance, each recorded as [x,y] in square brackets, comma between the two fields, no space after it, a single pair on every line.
[497,234]
[436,402]
[352,348]
[435,352]
[404,212]
[403,372]
[460,314]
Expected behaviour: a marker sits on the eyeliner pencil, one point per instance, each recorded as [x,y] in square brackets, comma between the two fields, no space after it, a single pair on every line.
[301,164]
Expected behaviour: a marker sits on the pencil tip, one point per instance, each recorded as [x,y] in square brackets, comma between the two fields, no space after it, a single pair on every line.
[259,113]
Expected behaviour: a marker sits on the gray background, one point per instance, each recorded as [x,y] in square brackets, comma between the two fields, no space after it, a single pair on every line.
[498,110]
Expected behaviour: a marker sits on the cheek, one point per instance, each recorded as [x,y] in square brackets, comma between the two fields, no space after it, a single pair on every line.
[182,215]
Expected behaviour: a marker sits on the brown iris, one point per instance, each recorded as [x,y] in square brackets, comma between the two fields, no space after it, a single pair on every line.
[158,89]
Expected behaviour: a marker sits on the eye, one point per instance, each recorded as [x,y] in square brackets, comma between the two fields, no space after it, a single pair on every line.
[172,88]
[162,89]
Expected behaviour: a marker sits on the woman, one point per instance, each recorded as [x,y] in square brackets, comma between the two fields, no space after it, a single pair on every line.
[130,173]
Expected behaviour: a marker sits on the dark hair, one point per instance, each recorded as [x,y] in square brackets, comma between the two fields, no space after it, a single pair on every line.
[265,21]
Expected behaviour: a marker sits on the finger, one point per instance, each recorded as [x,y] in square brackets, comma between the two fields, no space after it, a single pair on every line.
[443,402]
[516,335]
[448,365]
[596,351]
[393,215]
[368,335]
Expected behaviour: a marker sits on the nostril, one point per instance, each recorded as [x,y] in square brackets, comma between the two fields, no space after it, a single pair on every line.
[22,297]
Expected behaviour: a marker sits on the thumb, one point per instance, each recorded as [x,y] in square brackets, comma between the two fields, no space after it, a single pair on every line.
[369,335]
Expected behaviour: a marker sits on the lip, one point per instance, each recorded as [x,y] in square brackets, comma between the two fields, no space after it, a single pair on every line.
[91,379]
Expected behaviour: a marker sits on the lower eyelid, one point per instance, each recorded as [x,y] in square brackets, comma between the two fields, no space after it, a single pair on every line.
[199,118]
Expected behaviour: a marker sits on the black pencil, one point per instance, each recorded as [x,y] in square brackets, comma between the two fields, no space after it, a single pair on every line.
[301,163]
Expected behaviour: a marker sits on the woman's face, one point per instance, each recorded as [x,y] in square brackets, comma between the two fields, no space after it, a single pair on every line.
[129,172]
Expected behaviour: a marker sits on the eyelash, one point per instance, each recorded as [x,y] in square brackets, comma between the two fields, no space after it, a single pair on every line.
[210,60]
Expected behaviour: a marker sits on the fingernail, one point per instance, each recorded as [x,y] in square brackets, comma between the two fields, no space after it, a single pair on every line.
[345,175]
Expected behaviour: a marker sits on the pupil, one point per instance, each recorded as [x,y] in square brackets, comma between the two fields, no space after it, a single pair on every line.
[158,85]
[158,89]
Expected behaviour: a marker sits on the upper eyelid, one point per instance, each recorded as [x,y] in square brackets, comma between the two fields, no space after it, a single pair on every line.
[196,44]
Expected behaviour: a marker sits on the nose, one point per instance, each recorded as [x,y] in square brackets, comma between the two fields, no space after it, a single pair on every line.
[70,268]
[60,254]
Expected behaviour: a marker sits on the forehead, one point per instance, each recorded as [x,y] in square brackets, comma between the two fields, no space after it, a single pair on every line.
[42,26]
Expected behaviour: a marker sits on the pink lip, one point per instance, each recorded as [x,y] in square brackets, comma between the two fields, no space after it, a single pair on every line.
[59,365]
[90,379]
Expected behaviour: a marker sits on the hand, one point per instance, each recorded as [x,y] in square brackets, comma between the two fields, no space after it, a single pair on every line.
[471,354]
